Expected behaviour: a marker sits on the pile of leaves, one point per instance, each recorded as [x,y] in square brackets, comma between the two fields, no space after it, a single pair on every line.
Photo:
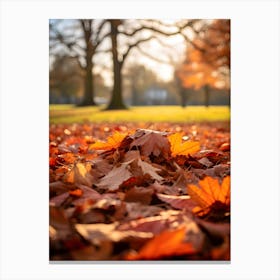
[125,192]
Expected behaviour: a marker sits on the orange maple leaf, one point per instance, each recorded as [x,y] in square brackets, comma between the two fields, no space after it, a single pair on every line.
[182,148]
[209,193]
[113,142]
[166,244]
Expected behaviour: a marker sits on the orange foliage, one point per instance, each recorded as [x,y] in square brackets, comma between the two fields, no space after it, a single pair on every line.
[113,142]
[182,148]
[209,192]
[166,244]
[206,63]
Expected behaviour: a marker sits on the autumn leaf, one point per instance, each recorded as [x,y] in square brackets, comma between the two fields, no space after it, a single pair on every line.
[137,164]
[113,142]
[115,177]
[182,148]
[149,169]
[130,201]
[210,193]
[96,233]
[151,142]
[177,202]
[166,244]
[79,174]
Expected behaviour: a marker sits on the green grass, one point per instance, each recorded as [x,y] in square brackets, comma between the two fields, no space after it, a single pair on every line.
[71,114]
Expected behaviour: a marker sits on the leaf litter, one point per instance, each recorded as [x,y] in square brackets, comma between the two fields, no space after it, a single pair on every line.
[139,191]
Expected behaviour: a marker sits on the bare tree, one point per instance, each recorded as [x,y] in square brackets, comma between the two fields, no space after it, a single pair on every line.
[81,40]
[132,33]
[125,35]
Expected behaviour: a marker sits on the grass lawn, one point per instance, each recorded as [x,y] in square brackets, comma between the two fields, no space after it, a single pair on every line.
[71,114]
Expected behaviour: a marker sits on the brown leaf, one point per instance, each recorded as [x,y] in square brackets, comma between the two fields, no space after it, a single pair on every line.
[149,169]
[60,223]
[151,142]
[178,202]
[59,187]
[88,194]
[136,210]
[96,233]
[115,177]
[80,174]
[139,194]
[58,200]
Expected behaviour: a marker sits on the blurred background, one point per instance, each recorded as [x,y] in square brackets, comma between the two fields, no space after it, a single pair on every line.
[118,63]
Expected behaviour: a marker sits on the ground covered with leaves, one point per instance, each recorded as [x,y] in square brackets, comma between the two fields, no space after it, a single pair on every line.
[139,191]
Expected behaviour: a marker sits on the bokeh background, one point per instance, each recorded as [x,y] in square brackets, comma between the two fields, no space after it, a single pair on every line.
[117,64]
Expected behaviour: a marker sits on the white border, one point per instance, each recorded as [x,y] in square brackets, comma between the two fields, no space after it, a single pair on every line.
[24,138]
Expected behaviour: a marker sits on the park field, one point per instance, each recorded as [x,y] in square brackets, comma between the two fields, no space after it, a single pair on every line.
[72,114]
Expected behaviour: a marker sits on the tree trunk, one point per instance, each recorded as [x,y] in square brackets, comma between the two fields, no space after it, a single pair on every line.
[116,102]
[183,94]
[88,98]
[207,95]
[135,94]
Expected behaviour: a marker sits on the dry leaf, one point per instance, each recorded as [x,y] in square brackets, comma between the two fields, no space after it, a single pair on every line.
[151,142]
[210,192]
[113,142]
[149,169]
[139,194]
[115,177]
[79,174]
[166,244]
[182,148]
[177,202]
[96,233]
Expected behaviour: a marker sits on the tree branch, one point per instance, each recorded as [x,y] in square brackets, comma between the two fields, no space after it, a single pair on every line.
[130,47]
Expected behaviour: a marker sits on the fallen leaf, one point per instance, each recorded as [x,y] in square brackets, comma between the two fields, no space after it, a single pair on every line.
[96,233]
[88,195]
[115,177]
[59,199]
[149,169]
[151,142]
[113,142]
[182,148]
[139,194]
[79,174]
[210,193]
[178,202]
[166,244]
[136,210]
